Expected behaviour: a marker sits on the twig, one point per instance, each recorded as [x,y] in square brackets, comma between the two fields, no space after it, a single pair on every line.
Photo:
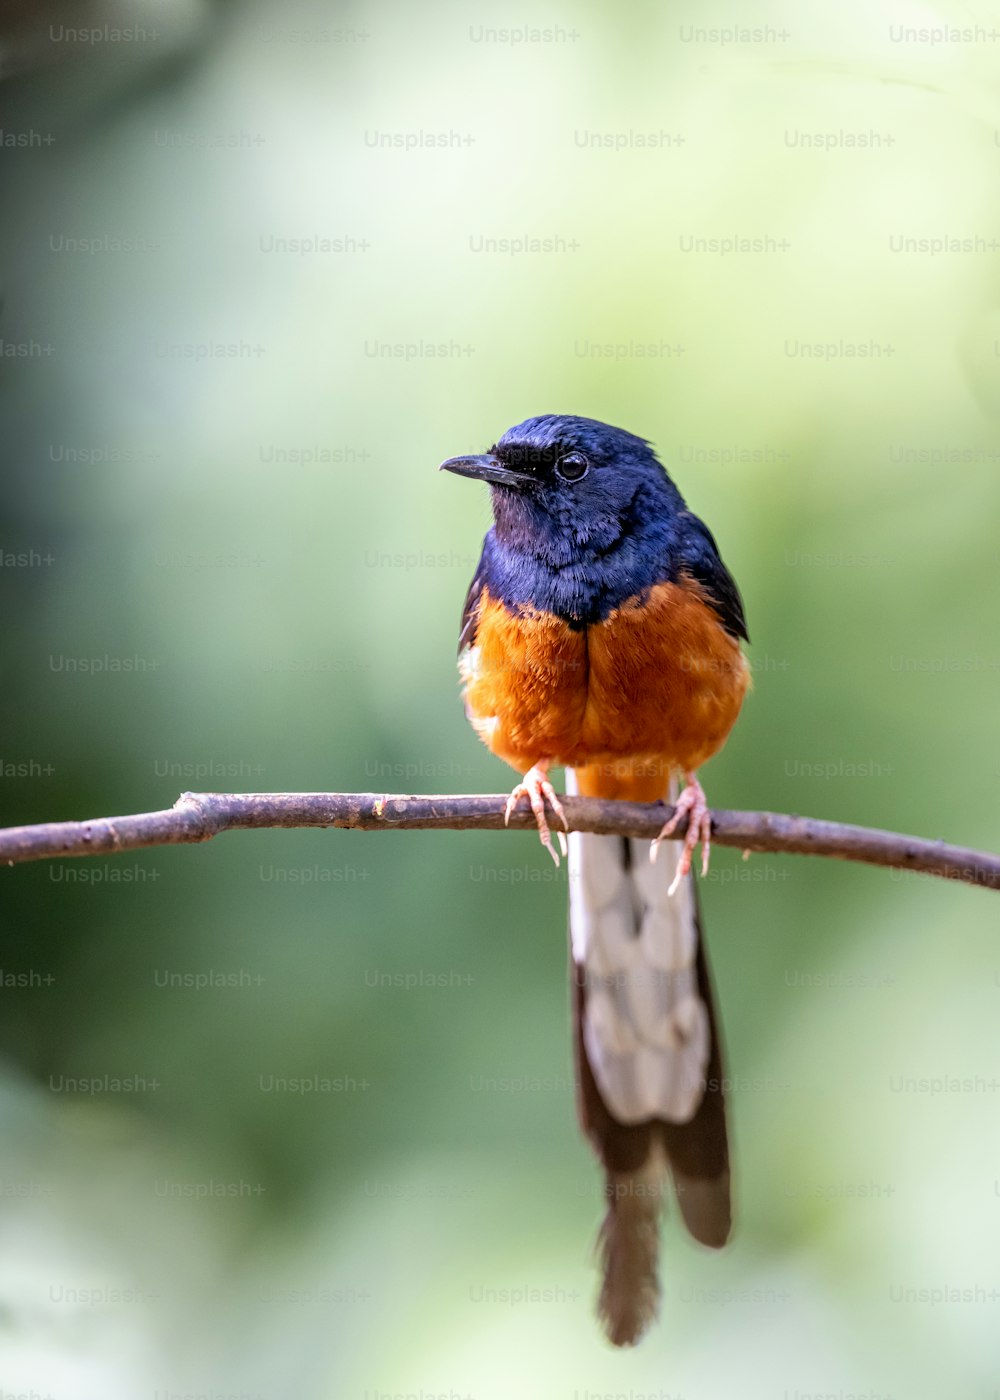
[198,816]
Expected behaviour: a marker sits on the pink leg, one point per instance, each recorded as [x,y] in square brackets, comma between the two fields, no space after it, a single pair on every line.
[538,790]
[690,804]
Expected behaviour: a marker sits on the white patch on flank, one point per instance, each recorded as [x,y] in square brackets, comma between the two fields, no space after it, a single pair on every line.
[469,670]
[469,664]
[484,727]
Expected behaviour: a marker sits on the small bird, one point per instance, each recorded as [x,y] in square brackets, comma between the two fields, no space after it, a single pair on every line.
[601,633]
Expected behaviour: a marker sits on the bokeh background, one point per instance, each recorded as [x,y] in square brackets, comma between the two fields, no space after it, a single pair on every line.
[291,1114]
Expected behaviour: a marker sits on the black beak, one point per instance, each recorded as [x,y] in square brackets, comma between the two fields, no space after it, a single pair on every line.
[486,468]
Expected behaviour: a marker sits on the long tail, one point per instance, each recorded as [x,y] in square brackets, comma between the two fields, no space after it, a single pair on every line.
[649,1063]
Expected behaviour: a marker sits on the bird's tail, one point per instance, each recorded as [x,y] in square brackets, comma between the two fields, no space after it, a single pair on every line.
[649,1063]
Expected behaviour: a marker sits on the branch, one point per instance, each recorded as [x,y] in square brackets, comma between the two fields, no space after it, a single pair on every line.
[198,816]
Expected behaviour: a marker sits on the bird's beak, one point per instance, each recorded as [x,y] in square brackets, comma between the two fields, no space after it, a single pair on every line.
[486,468]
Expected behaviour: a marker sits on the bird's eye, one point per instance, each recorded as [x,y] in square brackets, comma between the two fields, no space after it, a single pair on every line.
[572,466]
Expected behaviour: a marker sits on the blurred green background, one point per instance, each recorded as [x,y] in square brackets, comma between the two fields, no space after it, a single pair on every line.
[264,268]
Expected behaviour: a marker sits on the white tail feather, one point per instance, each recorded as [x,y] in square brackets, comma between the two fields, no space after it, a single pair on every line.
[645,1026]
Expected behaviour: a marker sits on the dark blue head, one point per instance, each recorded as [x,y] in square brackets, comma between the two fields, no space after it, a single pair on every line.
[568,488]
[584,516]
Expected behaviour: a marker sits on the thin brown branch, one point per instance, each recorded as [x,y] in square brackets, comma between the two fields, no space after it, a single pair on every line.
[198,816]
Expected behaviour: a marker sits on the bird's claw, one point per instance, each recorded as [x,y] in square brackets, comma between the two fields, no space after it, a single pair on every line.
[691,804]
[538,790]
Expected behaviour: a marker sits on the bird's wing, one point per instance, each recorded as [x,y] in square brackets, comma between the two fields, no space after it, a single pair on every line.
[470,612]
[699,558]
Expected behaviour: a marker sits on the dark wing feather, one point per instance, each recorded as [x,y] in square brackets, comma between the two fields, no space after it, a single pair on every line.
[698,1151]
[470,612]
[699,557]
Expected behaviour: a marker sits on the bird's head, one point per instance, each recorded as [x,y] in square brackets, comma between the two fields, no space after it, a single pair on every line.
[563,486]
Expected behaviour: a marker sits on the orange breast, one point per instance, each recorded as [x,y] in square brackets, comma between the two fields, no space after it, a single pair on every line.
[654,688]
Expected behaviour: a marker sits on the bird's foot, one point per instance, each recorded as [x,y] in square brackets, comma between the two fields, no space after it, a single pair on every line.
[691,804]
[538,790]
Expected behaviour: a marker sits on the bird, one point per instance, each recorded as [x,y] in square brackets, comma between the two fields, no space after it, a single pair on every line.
[602,634]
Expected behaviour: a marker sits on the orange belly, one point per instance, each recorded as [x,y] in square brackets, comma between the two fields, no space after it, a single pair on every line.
[654,688]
